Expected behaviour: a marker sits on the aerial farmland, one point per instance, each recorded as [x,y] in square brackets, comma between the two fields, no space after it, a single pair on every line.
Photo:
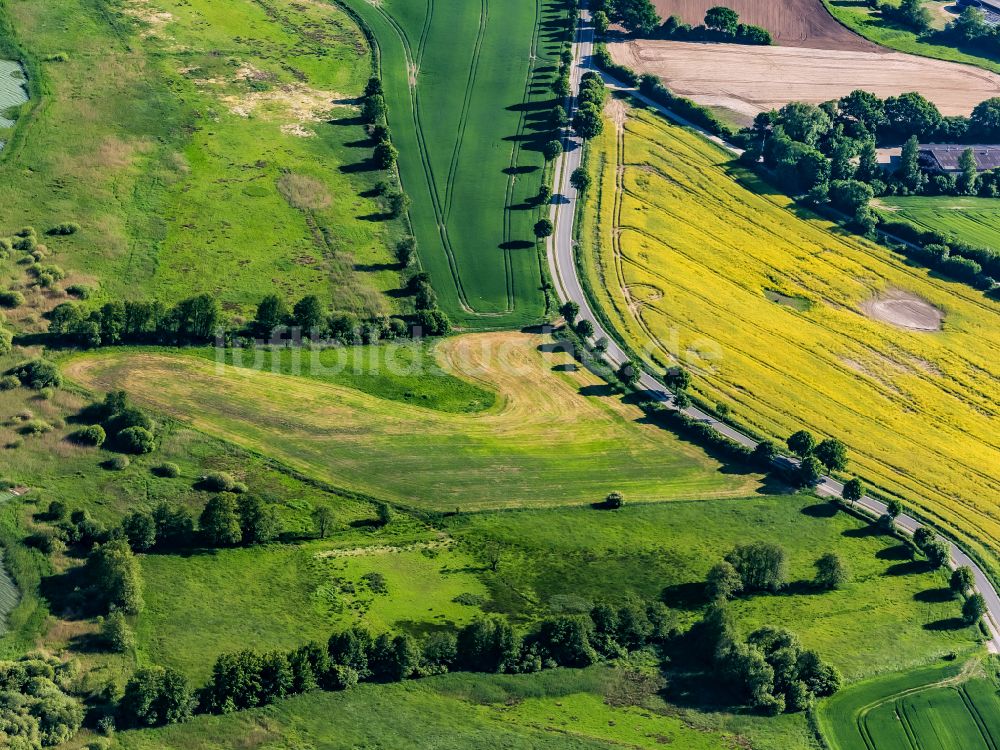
[455,374]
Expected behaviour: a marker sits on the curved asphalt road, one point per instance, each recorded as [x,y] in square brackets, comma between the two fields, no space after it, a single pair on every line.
[562,264]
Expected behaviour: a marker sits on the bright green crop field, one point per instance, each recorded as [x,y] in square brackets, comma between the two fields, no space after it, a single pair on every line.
[467,89]
[936,708]
[972,220]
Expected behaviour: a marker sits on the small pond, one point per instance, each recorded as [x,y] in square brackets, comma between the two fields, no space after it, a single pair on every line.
[13,91]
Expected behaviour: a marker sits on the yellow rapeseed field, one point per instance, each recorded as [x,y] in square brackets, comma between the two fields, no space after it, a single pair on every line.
[693,260]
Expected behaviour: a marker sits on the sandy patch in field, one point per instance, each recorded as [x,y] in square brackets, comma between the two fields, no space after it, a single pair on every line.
[154,19]
[749,79]
[904,310]
[294,101]
[792,23]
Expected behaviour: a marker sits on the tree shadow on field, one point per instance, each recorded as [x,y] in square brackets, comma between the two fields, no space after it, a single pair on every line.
[566,367]
[602,390]
[527,169]
[690,596]
[516,245]
[863,532]
[896,552]
[934,596]
[377,266]
[365,165]
[912,567]
[354,121]
[530,107]
[820,510]
[361,143]
[773,485]
[948,623]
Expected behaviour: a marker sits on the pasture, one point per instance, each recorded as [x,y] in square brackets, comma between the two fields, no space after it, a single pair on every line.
[935,708]
[972,220]
[748,80]
[555,710]
[168,130]
[555,434]
[861,19]
[891,615]
[684,252]
[467,89]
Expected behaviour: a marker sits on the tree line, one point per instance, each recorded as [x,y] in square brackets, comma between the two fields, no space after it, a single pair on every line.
[969,30]
[640,18]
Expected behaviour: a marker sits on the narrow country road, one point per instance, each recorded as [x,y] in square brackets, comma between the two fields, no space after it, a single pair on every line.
[565,276]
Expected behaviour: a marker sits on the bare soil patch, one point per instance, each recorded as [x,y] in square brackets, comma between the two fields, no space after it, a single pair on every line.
[792,23]
[905,310]
[748,80]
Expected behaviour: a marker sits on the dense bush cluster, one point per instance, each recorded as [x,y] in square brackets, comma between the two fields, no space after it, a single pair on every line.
[37,374]
[721,25]
[770,670]
[247,679]
[118,423]
[588,120]
[193,320]
[35,711]
[969,31]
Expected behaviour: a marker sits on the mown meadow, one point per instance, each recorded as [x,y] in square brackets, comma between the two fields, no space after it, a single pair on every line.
[549,419]
[200,147]
[467,86]
[975,221]
[697,262]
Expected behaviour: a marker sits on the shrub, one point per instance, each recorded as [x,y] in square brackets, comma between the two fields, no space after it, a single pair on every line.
[11,299]
[35,427]
[614,500]
[136,440]
[92,435]
[239,488]
[80,291]
[117,463]
[168,470]
[9,383]
[218,481]
[6,342]
[117,634]
[66,228]
[37,374]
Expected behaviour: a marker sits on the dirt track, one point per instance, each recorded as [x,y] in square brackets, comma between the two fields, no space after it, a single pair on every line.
[748,80]
[792,23]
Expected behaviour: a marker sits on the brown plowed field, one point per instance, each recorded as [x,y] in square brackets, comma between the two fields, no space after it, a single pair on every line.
[747,79]
[792,23]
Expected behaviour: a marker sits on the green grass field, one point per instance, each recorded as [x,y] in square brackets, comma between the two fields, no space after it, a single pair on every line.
[224,154]
[972,220]
[541,443]
[401,371]
[861,19]
[936,708]
[466,84]
[555,710]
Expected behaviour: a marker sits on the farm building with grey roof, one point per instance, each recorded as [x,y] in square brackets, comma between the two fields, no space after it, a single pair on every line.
[939,157]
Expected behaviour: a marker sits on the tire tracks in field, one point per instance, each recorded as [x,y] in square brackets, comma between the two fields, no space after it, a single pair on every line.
[413,63]
[515,154]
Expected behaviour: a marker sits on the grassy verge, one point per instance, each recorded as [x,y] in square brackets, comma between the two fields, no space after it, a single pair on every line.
[860,18]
